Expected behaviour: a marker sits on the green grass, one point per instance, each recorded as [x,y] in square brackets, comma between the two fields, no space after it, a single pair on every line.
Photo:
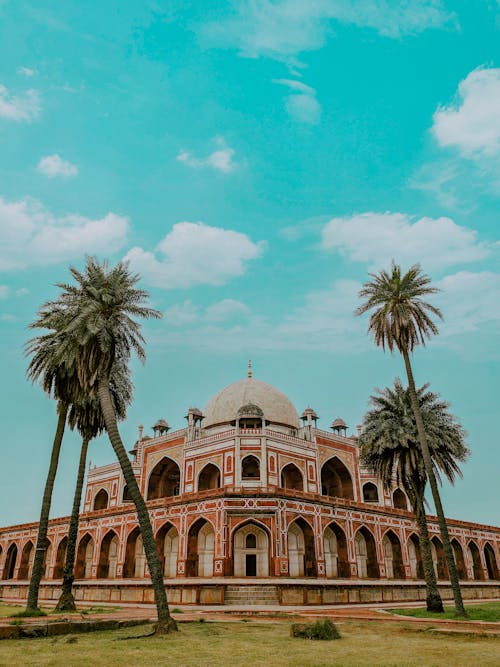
[7,610]
[489,611]
[18,611]
[254,644]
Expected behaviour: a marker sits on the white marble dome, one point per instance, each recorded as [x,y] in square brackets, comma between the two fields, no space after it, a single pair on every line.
[223,407]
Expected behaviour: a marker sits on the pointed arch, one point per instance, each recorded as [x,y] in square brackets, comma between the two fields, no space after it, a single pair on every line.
[250,468]
[209,477]
[126,495]
[459,558]
[26,563]
[201,549]
[393,556]
[60,558]
[370,493]
[291,478]
[336,554]
[101,500]
[301,549]
[366,554]
[164,480]
[415,557]
[108,556]
[438,558]
[250,550]
[84,557]
[47,558]
[399,500]
[475,559]
[10,562]
[336,480]
[167,544]
[491,561]
[135,558]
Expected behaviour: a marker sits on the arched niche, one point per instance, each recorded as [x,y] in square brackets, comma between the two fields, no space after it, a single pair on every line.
[370,493]
[201,549]
[84,557]
[101,500]
[415,557]
[108,556]
[366,554]
[167,543]
[126,495]
[336,556]
[10,562]
[60,557]
[475,558]
[135,559]
[438,558]
[399,500]
[291,478]
[164,480]
[301,549]
[491,561]
[209,478]
[459,559]
[26,564]
[250,468]
[250,551]
[336,481]
[393,556]
[47,557]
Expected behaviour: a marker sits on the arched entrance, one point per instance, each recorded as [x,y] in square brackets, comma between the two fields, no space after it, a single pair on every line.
[134,566]
[399,500]
[250,468]
[10,562]
[167,542]
[291,478]
[370,493]
[201,549]
[366,554]
[476,561]
[459,559]
[438,558]
[108,556]
[415,557]
[393,557]
[209,478]
[84,556]
[47,558]
[336,480]
[60,557]
[26,564]
[101,500]
[165,480]
[491,561]
[250,551]
[335,548]
[301,551]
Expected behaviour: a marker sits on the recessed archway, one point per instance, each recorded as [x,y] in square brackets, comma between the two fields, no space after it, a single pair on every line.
[101,500]
[393,556]
[27,555]
[165,480]
[366,554]
[126,495]
[60,558]
[438,558]
[201,549]
[167,543]
[250,551]
[250,468]
[108,556]
[370,493]
[209,478]
[491,561]
[135,558]
[336,556]
[10,562]
[291,478]
[399,500]
[415,557]
[475,558]
[47,558]
[301,549]
[84,556]
[336,480]
[459,559]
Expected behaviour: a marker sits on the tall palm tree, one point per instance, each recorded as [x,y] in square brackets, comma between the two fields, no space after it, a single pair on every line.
[389,446]
[401,319]
[86,416]
[101,308]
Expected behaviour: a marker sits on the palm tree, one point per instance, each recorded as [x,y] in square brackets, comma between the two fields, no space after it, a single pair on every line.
[402,319]
[389,446]
[86,416]
[101,331]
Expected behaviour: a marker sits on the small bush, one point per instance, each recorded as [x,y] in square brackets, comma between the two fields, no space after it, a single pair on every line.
[177,611]
[324,630]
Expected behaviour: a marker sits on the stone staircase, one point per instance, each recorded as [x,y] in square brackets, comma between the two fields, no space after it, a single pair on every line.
[246,595]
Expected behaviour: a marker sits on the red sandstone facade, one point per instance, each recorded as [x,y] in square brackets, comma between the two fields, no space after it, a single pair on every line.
[249,491]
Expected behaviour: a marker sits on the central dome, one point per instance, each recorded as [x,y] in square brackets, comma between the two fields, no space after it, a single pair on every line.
[224,407]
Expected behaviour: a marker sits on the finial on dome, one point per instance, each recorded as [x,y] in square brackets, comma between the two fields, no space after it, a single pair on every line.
[249,372]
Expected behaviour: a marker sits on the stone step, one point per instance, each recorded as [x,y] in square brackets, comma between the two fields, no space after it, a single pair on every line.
[244,595]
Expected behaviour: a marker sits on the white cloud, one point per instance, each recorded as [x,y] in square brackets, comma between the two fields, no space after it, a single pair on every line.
[7,317]
[221,159]
[194,253]
[54,165]
[4,291]
[225,310]
[22,291]
[472,124]
[19,108]
[377,238]
[282,29]
[187,314]
[26,71]
[30,235]
[301,104]
[182,314]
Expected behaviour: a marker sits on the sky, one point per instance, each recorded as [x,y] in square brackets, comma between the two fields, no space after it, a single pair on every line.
[254,161]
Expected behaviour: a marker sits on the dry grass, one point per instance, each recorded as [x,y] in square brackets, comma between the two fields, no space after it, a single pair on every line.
[253,644]
[7,610]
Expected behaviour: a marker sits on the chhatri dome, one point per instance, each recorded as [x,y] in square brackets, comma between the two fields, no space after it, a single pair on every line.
[225,407]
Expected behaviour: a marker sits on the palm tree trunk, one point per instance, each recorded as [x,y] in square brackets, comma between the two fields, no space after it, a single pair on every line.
[443,528]
[434,601]
[41,541]
[67,601]
[165,622]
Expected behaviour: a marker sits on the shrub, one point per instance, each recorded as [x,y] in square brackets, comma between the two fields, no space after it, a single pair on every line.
[324,630]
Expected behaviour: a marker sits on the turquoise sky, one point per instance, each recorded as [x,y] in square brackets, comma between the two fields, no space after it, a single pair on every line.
[253,161]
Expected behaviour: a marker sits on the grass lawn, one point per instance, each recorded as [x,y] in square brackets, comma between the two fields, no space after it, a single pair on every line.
[489,611]
[238,644]
[9,609]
